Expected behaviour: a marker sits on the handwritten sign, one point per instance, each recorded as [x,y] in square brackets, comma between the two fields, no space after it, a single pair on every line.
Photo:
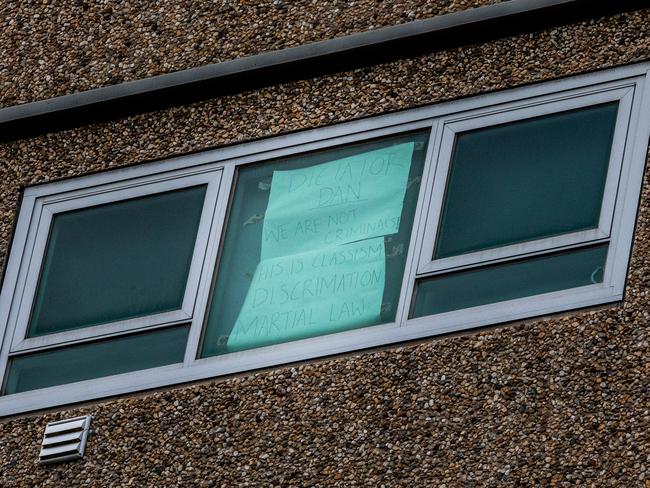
[341,201]
[311,293]
[323,260]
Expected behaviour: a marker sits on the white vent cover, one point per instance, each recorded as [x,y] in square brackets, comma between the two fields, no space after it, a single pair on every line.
[64,440]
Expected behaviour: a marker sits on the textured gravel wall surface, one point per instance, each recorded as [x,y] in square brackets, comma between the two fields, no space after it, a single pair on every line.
[556,402]
[68,46]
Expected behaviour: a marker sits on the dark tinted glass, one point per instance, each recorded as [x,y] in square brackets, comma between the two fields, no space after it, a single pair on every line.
[511,280]
[96,359]
[526,180]
[117,261]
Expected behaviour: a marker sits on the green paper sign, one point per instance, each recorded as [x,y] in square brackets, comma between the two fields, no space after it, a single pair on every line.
[312,293]
[323,261]
[346,200]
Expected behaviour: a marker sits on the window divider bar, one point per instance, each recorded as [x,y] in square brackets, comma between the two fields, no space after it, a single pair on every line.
[443,153]
[477,263]
[14,272]
[616,161]
[514,251]
[209,271]
[415,243]
[99,332]
[202,242]
[27,286]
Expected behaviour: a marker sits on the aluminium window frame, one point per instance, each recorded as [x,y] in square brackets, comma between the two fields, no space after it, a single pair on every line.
[47,206]
[632,77]
[455,124]
[42,204]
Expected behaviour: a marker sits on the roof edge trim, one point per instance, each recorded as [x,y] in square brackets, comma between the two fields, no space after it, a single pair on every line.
[300,62]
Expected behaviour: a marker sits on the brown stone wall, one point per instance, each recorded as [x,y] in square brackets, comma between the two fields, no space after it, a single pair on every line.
[560,401]
[66,46]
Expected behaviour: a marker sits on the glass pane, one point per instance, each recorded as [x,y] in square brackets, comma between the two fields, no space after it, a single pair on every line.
[117,261]
[96,359]
[315,244]
[500,282]
[526,180]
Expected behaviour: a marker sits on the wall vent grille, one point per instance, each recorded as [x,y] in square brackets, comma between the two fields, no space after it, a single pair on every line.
[64,440]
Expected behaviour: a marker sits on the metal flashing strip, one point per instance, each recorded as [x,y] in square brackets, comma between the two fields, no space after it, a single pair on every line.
[302,62]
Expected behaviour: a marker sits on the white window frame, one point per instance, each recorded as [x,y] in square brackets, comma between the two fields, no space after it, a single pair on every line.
[488,117]
[48,205]
[629,84]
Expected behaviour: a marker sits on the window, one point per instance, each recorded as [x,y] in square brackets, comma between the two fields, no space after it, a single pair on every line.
[315,244]
[382,230]
[523,203]
[108,263]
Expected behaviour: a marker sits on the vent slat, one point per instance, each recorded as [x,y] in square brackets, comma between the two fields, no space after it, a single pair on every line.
[47,452]
[64,440]
[65,426]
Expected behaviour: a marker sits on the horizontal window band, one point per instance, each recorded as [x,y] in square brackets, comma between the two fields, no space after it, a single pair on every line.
[284,203]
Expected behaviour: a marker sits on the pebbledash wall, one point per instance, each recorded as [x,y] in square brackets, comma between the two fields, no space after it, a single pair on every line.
[555,401]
